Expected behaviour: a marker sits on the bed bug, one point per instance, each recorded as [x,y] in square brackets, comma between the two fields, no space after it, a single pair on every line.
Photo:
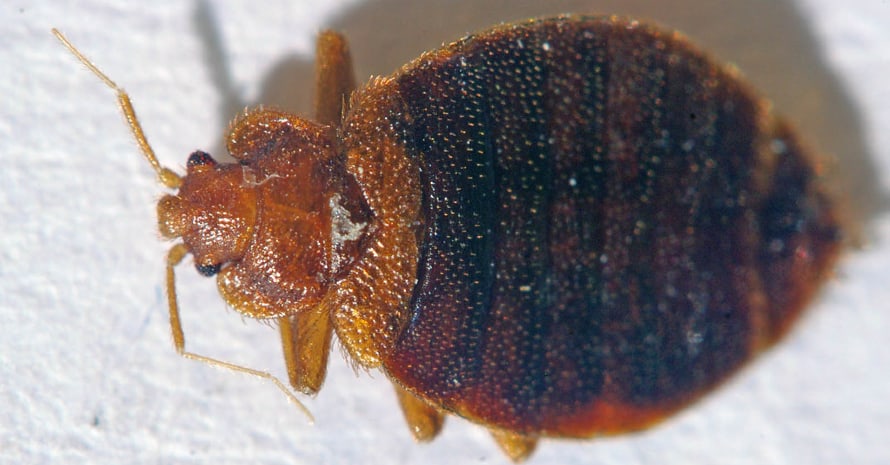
[564,227]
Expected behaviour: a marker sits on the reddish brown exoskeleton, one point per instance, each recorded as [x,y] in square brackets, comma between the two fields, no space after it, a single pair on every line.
[565,227]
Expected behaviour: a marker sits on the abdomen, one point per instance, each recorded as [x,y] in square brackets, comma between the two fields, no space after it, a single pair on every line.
[609,226]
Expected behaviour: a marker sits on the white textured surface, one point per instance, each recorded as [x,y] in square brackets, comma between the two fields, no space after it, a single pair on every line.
[87,369]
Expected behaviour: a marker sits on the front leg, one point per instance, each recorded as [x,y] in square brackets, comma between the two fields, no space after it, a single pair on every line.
[306,341]
[334,78]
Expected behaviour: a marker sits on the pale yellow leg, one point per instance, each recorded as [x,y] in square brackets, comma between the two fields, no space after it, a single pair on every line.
[516,446]
[424,420]
[306,341]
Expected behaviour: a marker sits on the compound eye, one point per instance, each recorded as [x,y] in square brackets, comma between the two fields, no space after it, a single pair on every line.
[207,270]
[199,158]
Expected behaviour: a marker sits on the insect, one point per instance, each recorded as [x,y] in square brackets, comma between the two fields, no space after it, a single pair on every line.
[565,227]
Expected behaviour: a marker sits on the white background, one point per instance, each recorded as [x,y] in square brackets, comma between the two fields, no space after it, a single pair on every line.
[87,369]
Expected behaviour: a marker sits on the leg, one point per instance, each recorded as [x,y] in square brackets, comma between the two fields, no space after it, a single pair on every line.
[176,254]
[334,78]
[306,340]
[516,446]
[424,420]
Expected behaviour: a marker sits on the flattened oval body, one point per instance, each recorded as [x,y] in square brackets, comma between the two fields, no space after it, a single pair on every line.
[610,224]
[564,227]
